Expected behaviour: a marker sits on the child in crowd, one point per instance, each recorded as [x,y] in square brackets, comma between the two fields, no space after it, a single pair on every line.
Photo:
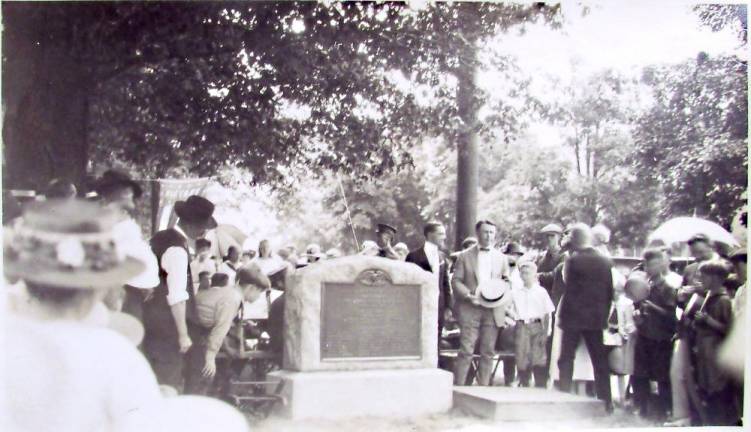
[622,331]
[203,262]
[711,325]
[656,325]
[533,309]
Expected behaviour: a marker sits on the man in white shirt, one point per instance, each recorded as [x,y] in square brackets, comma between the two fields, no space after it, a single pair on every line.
[117,191]
[476,265]
[166,339]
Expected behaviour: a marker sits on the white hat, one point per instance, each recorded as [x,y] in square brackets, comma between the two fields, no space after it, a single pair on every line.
[492,292]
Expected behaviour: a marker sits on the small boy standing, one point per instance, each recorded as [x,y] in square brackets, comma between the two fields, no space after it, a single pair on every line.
[533,310]
[711,325]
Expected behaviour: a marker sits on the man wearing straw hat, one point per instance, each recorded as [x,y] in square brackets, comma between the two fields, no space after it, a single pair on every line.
[167,339]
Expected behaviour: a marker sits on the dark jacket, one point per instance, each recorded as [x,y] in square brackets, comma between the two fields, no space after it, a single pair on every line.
[546,266]
[588,291]
[418,257]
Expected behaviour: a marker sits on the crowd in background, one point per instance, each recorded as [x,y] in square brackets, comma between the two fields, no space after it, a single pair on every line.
[184,314]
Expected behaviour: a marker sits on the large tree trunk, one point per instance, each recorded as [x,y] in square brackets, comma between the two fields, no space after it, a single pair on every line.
[467,182]
[45,98]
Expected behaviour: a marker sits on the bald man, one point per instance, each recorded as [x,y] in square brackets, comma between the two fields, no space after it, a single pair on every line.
[583,310]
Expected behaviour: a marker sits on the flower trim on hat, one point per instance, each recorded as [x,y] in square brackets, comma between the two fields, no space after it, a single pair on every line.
[97,252]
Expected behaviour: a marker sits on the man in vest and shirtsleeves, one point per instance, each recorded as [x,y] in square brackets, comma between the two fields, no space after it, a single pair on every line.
[166,338]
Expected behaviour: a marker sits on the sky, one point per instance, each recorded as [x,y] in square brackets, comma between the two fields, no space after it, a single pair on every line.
[618,34]
[622,35]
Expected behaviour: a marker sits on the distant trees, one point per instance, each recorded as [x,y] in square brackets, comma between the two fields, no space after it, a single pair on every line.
[694,139]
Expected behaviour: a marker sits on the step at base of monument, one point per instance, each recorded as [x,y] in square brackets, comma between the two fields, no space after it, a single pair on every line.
[381,392]
[525,404]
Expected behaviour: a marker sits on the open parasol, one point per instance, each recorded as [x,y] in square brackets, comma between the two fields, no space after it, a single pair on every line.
[681,229]
[229,235]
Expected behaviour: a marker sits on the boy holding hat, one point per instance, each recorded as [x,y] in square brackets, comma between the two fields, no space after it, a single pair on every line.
[167,339]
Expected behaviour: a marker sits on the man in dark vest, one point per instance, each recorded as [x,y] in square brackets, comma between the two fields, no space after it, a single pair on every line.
[431,259]
[583,310]
[165,314]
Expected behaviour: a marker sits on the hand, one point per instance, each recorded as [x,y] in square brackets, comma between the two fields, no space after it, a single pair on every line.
[209,367]
[185,343]
[474,300]
[700,317]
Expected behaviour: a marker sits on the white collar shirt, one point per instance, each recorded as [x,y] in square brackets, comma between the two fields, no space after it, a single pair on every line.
[484,265]
[431,251]
[532,303]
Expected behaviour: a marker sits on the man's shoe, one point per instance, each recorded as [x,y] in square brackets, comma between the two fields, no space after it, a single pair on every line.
[609,407]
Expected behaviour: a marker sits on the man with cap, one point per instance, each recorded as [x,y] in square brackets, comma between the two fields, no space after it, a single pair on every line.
[117,191]
[385,238]
[553,254]
[479,317]
[165,313]
[739,258]
[546,270]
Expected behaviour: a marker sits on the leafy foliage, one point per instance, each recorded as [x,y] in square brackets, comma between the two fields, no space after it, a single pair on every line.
[694,139]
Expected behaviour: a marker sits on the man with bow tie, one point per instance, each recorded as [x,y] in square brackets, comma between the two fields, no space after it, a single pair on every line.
[431,259]
[475,266]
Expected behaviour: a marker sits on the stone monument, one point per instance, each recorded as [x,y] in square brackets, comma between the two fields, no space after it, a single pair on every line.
[361,340]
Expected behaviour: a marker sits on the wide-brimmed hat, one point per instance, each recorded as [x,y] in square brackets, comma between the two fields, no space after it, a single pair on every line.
[552,229]
[492,292]
[68,244]
[113,179]
[198,210]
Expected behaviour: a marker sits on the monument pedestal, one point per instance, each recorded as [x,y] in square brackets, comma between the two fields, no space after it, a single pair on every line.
[341,394]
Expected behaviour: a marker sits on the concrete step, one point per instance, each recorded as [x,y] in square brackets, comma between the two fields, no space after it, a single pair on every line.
[525,404]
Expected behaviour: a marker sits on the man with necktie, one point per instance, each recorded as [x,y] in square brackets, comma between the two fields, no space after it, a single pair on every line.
[474,266]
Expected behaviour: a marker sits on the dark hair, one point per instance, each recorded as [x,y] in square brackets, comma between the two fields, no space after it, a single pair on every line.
[219,279]
[483,222]
[202,243]
[715,268]
[653,253]
[249,253]
[431,227]
[57,296]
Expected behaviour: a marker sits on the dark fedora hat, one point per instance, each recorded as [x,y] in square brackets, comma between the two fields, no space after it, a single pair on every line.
[513,248]
[113,180]
[198,210]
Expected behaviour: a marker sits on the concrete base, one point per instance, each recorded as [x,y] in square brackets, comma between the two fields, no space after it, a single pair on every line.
[391,393]
[525,404]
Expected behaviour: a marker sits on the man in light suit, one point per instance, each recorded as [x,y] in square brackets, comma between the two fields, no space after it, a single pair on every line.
[476,265]
[431,259]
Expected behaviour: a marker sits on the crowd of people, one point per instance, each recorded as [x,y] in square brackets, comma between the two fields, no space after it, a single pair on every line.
[170,316]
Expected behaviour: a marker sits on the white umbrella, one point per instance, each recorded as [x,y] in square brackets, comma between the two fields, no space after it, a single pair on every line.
[681,229]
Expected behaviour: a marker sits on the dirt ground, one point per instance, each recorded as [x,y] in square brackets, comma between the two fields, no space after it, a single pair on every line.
[454,420]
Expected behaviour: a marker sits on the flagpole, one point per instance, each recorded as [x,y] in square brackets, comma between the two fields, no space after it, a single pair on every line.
[349,215]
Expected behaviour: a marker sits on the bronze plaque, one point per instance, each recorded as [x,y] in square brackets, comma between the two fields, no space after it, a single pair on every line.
[370,318]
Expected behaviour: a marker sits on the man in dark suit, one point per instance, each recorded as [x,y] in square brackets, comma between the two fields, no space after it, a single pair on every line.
[583,310]
[385,234]
[431,259]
